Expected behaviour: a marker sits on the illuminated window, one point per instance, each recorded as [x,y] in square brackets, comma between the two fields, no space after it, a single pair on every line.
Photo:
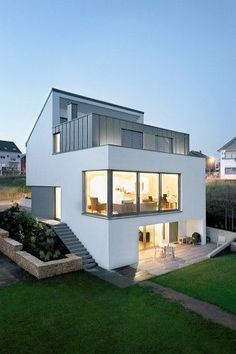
[170,193]
[96,192]
[124,192]
[56,143]
[149,192]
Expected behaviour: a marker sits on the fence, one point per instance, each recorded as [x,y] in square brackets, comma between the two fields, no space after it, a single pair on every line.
[221,215]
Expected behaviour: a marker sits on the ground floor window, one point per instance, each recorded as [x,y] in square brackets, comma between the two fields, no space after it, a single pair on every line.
[114,193]
[230,170]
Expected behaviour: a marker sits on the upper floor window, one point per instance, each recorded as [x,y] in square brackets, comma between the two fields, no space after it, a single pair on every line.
[149,191]
[124,192]
[132,139]
[96,192]
[230,170]
[56,143]
[114,193]
[230,155]
[164,144]
[169,191]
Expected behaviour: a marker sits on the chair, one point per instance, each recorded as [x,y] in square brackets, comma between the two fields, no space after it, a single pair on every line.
[221,240]
[96,206]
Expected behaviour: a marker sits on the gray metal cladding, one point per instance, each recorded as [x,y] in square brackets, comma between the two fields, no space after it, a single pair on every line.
[94,130]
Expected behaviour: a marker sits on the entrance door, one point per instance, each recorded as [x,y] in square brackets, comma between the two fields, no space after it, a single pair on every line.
[58,203]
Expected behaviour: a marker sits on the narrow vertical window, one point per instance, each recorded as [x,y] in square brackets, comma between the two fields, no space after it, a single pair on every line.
[56,143]
[124,192]
[170,191]
[149,192]
[96,192]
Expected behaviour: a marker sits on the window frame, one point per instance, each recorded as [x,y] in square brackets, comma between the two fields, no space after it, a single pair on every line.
[138,212]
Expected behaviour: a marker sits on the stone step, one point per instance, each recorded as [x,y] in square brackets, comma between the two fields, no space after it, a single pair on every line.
[74,245]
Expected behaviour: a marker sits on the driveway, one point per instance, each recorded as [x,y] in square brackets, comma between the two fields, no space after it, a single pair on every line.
[10,272]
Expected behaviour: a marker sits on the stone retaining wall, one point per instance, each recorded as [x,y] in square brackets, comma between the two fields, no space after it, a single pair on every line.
[33,265]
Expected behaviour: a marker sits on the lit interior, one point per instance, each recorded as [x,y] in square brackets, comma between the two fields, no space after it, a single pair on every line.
[153,195]
[169,197]
[124,192]
[149,191]
[56,142]
[96,192]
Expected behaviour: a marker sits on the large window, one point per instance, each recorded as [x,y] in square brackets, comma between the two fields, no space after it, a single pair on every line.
[149,191]
[164,144]
[96,192]
[113,193]
[230,170]
[124,192]
[230,154]
[169,191]
[132,139]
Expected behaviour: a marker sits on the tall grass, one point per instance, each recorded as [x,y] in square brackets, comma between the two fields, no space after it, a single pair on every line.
[13,188]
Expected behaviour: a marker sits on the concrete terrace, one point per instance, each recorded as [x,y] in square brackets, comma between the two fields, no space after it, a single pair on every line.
[184,255]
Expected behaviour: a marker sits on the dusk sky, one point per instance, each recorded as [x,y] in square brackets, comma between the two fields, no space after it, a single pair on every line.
[175,60]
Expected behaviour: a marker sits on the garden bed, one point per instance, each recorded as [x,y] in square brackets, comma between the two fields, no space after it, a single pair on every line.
[13,249]
[37,238]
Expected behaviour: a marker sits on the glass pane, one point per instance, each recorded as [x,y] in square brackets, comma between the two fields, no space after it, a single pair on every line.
[170,193]
[164,144]
[96,192]
[124,192]
[149,192]
[56,142]
[131,138]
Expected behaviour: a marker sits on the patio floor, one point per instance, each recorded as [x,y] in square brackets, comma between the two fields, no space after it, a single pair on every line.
[184,256]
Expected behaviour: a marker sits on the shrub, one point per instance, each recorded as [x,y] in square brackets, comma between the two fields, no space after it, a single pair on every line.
[36,237]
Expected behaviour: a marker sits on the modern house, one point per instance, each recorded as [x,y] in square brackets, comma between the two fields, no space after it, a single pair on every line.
[120,185]
[228,160]
[10,157]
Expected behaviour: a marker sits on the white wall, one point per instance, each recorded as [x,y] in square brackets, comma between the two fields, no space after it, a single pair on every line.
[112,243]
[214,234]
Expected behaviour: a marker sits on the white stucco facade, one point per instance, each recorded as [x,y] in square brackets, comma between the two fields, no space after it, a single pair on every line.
[113,242]
[227,165]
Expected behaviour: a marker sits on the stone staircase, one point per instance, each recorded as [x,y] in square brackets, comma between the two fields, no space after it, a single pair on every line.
[74,245]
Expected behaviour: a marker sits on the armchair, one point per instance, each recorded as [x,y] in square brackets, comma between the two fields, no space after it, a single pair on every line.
[96,206]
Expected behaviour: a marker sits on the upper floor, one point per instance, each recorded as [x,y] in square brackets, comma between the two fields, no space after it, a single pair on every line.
[80,122]
[228,160]
[228,151]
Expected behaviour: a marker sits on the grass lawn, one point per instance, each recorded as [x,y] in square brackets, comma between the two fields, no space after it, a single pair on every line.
[213,280]
[78,313]
[12,188]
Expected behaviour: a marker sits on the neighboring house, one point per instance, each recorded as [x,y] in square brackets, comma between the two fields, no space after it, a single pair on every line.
[10,157]
[212,164]
[23,164]
[228,160]
[121,185]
